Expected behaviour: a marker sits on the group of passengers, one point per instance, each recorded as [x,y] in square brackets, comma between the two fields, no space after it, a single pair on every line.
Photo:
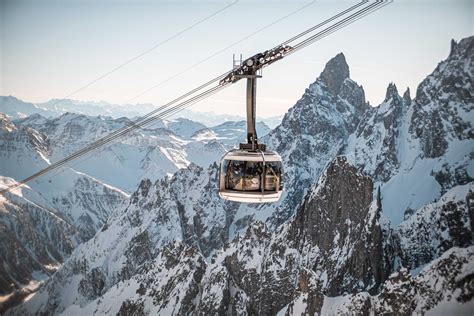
[247,176]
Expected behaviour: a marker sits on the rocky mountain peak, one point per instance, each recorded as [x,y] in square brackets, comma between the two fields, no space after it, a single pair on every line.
[406,96]
[454,44]
[443,102]
[392,92]
[463,47]
[335,72]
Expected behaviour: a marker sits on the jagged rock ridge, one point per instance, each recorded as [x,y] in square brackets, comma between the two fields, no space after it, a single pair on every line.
[332,246]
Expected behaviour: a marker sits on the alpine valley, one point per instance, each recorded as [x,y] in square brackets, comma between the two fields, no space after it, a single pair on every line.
[377,215]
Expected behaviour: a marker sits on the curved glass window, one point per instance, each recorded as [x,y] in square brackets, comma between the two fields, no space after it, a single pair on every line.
[252,176]
[273,176]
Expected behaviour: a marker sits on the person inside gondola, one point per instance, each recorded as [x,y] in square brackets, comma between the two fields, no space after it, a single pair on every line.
[235,175]
[253,174]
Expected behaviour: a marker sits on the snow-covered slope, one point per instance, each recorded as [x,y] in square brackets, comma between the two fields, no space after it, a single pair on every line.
[183,127]
[44,221]
[437,227]
[34,240]
[22,151]
[418,149]
[84,201]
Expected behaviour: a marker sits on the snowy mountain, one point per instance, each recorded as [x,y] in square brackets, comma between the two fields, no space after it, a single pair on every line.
[84,201]
[273,121]
[43,222]
[91,108]
[230,133]
[35,240]
[183,127]
[418,149]
[16,108]
[155,151]
[313,132]
[213,119]
[207,118]
[376,217]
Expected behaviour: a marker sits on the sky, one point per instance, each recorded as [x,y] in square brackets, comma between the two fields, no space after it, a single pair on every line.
[49,49]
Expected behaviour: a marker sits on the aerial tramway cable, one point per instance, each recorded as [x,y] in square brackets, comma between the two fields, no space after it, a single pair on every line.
[172,108]
[134,58]
[219,51]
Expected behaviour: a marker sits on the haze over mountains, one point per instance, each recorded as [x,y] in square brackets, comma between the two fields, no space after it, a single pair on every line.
[377,206]
[16,108]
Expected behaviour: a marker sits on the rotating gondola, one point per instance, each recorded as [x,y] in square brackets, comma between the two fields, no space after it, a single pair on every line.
[250,174]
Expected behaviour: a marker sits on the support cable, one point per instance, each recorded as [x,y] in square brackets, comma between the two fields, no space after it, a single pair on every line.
[129,61]
[220,51]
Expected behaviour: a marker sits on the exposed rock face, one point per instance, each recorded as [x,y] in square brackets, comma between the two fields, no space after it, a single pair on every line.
[446,99]
[335,72]
[314,131]
[340,213]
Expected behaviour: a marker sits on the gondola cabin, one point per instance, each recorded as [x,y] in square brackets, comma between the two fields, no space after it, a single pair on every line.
[251,176]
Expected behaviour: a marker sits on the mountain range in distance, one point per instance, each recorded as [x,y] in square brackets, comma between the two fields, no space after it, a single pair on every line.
[16,108]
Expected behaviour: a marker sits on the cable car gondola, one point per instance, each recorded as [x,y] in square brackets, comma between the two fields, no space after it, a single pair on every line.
[250,174]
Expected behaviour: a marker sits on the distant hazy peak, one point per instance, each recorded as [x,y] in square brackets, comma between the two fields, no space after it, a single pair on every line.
[335,72]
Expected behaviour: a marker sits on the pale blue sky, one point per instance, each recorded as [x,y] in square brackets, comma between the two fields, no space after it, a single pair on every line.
[51,48]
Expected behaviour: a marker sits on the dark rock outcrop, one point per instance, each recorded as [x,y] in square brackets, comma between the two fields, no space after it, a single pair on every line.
[335,72]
